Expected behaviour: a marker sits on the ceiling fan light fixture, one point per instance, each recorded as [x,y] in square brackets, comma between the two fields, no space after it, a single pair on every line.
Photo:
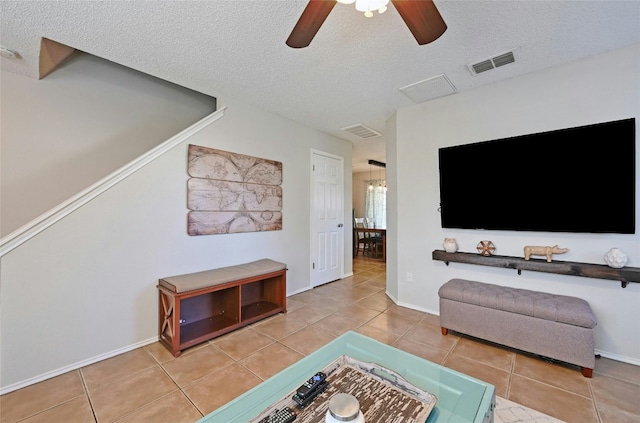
[421,17]
[367,6]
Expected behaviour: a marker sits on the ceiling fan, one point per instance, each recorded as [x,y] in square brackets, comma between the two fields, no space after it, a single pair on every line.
[421,16]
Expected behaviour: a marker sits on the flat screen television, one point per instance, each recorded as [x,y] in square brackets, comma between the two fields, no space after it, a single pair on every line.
[580,179]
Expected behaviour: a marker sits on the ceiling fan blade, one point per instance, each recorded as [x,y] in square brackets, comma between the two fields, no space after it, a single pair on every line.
[310,22]
[422,18]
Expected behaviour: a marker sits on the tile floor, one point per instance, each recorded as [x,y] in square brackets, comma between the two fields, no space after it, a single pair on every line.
[149,384]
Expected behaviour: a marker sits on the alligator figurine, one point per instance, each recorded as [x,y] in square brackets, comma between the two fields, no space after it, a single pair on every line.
[531,250]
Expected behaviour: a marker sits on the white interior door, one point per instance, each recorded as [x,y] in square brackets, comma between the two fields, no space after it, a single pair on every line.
[327,221]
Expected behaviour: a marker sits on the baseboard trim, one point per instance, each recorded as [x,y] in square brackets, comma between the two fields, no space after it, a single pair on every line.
[618,357]
[75,366]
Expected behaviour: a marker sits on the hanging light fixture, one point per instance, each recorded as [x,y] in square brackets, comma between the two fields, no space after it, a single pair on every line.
[370,180]
[367,6]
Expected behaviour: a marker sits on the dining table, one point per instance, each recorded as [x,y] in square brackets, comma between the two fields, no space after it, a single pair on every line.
[380,231]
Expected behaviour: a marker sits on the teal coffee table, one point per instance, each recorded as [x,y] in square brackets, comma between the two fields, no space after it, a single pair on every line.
[461,398]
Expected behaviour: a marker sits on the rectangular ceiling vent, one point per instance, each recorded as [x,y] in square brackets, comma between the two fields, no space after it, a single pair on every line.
[429,89]
[362,131]
[492,63]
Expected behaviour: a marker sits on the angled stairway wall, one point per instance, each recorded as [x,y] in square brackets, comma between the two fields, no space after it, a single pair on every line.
[83,121]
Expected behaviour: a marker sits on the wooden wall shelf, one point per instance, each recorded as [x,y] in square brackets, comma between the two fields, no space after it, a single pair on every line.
[588,270]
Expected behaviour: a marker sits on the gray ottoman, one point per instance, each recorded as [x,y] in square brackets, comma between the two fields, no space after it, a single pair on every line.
[555,326]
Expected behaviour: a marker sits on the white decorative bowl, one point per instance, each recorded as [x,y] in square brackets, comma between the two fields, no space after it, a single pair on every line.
[615,258]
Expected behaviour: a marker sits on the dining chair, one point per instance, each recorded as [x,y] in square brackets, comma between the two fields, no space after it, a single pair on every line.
[363,240]
[376,239]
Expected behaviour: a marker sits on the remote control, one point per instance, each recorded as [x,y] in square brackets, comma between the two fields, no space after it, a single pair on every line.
[310,385]
[304,402]
[286,415]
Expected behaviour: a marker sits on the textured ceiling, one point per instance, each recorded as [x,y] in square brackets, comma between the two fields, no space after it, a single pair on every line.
[352,71]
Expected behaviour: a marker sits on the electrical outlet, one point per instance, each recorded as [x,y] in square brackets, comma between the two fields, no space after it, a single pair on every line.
[409,277]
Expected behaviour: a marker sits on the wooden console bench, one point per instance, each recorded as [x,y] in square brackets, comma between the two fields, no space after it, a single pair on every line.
[196,307]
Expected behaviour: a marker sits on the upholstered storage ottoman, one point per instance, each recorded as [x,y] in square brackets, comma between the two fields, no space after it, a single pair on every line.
[554,326]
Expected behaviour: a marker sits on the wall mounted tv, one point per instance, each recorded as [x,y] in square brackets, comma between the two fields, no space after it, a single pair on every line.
[580,179]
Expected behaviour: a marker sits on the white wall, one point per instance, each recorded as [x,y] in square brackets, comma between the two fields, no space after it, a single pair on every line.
[359,190]
[598,89]
[64,132]
[85,288]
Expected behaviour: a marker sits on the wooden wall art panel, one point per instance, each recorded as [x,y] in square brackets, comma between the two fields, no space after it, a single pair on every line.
[230,193]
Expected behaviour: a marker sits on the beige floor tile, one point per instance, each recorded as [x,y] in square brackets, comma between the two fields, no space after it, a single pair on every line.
[610,414]
[345,284]
[307,340]
[331,302]
[116,400]
[331,290]
[366,290]
[390,323]
[270,360]
[187,368]
[379,282]
[405,313]
[242,343]
[361,266]
[376,302]
[377,334]
[294,304]
[431,320]
[220,387]
[496,377]
[425,333]
[558,403]
[41,396]
[159,352]
[358,313]
[173,407]
[280,327]
[310,314]
[489,354]
[364,275]
[563,377]
[116,368]
[336,325]
[347,297]
[433,354]
[618,370]
[306,297]
[78,410]
[616,393]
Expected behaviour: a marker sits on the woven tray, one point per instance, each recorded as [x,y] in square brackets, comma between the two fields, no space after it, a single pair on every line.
[384,396]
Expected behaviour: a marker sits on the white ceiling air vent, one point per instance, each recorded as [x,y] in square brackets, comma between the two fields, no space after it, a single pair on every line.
[428,89]
[492,63]
[362,131]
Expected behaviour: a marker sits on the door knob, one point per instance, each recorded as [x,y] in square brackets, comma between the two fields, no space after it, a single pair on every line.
[340,225]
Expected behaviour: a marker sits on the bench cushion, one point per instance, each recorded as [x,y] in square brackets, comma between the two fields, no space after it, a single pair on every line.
[558,308]
[204,279]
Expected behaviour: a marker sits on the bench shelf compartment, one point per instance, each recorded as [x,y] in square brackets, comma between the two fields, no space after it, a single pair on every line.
[188,318]
[261,298]
[208,313]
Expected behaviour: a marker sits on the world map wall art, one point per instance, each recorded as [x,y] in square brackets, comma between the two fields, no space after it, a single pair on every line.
[232,193]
